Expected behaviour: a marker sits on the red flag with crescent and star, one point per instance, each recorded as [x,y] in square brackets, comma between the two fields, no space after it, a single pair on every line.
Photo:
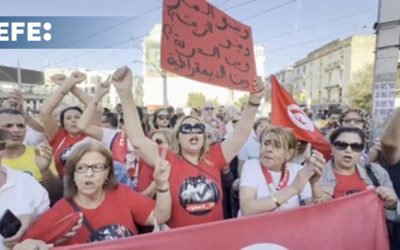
[287,113]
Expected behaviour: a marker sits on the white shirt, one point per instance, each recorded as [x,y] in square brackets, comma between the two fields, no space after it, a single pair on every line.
[23,195]
[253,177]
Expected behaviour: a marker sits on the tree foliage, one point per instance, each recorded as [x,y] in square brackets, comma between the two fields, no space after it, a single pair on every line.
[360,89]
[195,100]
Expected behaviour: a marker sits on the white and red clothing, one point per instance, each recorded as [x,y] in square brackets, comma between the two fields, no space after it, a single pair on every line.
[253,177]
[196,189]
[120,209]
[62,144]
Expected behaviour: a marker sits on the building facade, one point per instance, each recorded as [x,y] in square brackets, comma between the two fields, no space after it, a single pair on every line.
[323,76]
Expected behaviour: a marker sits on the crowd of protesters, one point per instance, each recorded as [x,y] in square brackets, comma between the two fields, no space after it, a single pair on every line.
[117,174]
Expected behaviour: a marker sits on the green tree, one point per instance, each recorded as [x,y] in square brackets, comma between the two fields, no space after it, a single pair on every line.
[195,100]
[241,102]
[360,89]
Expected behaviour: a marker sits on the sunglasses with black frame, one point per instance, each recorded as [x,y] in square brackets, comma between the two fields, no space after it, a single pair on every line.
[355,147]
[187,128]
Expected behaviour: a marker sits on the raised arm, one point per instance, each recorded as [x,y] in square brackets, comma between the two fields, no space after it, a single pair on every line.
[46,114]
[162,211]
[391,138]
[84,123]
[147,149]
[232,145]
[15,100]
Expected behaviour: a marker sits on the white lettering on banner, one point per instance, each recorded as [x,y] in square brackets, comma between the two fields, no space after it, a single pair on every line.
[299,118]
[29,31]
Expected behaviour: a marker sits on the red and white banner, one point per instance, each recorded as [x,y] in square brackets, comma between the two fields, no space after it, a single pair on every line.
[353,222]
[286,113]
[201,42]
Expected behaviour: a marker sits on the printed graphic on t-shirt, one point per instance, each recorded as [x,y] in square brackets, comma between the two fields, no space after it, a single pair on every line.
[65,154]
[110,232]
[198,195]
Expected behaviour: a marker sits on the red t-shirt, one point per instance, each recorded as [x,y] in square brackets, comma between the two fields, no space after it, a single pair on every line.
[62,144]
[112,219]
[348,184]
[196,191]
[145,176]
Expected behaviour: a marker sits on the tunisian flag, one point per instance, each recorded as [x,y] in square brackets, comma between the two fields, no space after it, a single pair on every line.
[353,222]
[286,113]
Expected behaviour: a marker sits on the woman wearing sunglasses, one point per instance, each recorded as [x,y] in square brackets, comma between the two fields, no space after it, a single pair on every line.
[345,174]
[195,179]
[161,119]
[109,209]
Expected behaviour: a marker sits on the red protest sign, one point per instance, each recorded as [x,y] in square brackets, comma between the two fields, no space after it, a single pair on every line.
[201,42]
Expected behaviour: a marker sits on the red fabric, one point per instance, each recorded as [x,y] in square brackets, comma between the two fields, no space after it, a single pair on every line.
[145,176]
[353,222]
[120,206]
[119,147]
[347,184]
[62,144]
[196,190]
[286,113]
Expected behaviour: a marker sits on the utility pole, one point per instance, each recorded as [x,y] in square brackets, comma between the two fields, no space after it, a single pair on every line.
[165,88]
[386,59]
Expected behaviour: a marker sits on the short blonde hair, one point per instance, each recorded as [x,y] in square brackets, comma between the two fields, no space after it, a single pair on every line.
[285,137]
[77,154]
[175,142]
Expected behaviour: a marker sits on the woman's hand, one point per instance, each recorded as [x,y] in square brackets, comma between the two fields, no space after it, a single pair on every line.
[26,221]
[122,79]
[30,244]
[302,178]
[162,169]
[388,197]
[316,161]
[101,90]
[259,91]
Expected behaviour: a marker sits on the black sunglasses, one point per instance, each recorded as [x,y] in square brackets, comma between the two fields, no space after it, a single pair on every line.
[187,128]
[163,117]
[355,147]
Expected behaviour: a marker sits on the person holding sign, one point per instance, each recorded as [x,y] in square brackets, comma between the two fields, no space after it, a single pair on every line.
[272,182]
[195,180]
[109,209]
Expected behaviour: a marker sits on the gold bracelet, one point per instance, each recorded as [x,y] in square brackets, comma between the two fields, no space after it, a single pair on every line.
[276,201]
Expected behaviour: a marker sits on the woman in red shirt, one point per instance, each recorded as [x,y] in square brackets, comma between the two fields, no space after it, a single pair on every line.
[110,210]
[345,174]
[64,134]
[196,166]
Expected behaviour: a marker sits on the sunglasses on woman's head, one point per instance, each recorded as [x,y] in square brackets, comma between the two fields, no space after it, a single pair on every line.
[187,128]
[163,117]
[355,147]
[209,108]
